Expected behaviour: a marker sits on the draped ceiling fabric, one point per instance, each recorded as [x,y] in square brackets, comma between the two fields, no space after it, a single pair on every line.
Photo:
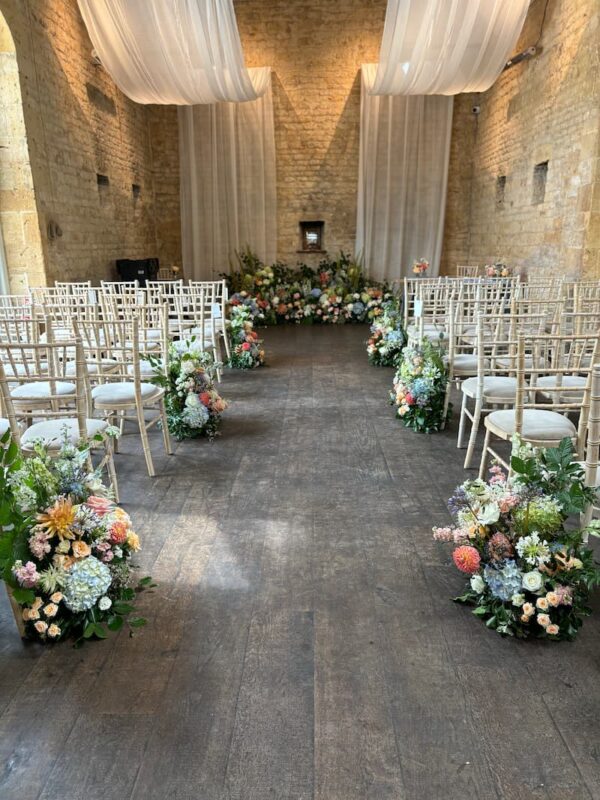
[403,174]
[228,191]
[177,52]
[446,46]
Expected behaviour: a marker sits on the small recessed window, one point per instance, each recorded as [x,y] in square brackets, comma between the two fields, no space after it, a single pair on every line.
[540,174]
[102,180]
[311,236]
[136,191]
[500,189]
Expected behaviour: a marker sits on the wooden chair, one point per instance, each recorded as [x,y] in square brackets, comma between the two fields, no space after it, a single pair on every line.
[541,415]
[467,271]
[592,474]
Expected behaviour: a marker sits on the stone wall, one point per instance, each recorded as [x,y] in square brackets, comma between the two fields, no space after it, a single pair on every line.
[80,125]
[543,110]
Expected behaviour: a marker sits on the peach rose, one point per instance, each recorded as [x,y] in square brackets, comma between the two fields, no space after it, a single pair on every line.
[50,610]
[525,617]
[553,599]
[41,627]
[542,603]
[552,630]
[528,609]
[81,549]
[543,620]
[56,597]
[53,631]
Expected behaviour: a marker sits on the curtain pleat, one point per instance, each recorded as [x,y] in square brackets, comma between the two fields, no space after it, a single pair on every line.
[228,186]
[403,176]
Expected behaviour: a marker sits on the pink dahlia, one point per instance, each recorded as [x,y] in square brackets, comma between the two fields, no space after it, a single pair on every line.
[467,559]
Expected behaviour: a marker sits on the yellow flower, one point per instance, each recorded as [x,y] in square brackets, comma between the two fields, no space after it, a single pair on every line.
[57,521]
[41,627]
[50,610]
[56,597]
[81,549]
[53,631]
[133,541]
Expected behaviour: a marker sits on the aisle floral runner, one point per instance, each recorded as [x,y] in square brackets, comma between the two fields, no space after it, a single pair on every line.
[420,388]
[387,339]
[65,547]
[530,576]
[193,405]
[337,292]
[247,349]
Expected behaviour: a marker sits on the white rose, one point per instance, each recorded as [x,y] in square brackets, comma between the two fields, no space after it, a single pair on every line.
[488,514]
[532,581]
[477,584]
[104,603]
[518,600]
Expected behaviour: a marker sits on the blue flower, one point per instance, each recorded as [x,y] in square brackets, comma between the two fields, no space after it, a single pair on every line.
[315,292]
[358,308]
[503,580]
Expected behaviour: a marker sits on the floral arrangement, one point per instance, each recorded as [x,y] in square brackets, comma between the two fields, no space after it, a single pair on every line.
[497,270]
[248,351]
[193,405]
[387,339]
[419,388]
[65,546]
[420,267]
[528,574]
[336,292]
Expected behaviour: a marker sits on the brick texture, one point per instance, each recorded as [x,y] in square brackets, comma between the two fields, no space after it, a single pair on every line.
[546,109]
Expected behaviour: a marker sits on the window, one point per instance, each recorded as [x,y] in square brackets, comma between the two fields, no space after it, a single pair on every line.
[500,188]
[311,236]
[136,191]
[540,173]
[102,181]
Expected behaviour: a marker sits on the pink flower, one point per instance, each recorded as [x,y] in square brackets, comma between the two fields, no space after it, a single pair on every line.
[442,534]
[507,502]
[118,532]
[100,505]
[467,559]
[246,346]
[565,595]
[460,536]
[409,399]
[39,544]
[108,556]
[27,575]
[497,474]
[204,399]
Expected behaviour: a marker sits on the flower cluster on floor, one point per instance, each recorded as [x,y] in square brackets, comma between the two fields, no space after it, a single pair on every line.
[420,388]
[193,405]
[248,350]
[336,292]
[528,574]
[387,339]
[65,546]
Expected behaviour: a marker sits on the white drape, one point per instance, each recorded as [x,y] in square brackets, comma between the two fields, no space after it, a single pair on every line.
[403,175]
[446,46]
[228,190]
[177,52]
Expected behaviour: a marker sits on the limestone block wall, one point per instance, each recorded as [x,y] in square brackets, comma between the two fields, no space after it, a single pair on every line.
[79,125]
[543,110]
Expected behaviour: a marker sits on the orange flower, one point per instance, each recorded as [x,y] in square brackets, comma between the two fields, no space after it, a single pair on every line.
[467,559]
[57,521]
[81,549]
[118,532]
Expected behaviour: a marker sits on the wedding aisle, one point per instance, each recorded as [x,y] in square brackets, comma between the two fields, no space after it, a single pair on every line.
[300,641]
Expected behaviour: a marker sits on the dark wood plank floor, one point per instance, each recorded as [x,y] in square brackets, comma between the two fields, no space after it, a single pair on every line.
[301,643]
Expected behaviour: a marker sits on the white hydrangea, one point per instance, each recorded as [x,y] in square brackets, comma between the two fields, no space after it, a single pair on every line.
[86,581]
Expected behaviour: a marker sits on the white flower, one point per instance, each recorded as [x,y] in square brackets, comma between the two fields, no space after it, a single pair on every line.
[535,551]
[488,514]
[104,603]
[518,600]
[192,401]
[533,581]
[188,366]
[477,584]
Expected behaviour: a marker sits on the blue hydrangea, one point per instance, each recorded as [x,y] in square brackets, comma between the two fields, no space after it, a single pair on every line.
[421,388]
[358,308]
[86,581]
[503,580]
[315,292]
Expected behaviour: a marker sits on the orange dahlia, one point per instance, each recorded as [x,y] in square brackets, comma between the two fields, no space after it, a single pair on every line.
[467,559]
[57,520]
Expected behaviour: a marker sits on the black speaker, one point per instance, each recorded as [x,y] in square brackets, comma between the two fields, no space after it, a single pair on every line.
[137,269]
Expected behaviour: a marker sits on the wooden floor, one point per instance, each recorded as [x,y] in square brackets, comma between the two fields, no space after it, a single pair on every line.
[301,643]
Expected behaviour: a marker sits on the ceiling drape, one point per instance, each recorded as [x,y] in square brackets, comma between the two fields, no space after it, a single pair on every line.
[179,52]
[403,174]
[446,46]
[228,190]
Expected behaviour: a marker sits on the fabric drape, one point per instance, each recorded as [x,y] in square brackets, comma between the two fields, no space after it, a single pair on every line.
[4,279]
[446,46]
[403,175]
[177,52]
[228,190]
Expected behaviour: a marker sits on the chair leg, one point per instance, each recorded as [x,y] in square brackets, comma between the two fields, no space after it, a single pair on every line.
[218,355]
[484,455]
[462,423]
[145,441]
[165,428]
[110,467]
[473,435]
[227,346]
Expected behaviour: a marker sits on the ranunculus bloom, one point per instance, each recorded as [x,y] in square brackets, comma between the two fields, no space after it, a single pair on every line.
[118,532]
[205,399]
[100,505]
[467,559]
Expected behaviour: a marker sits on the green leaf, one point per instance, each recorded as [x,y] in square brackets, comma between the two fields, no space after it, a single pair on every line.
[23,596]
[123,608]
[115,623]
[138,622]
[89,630]
[100,630]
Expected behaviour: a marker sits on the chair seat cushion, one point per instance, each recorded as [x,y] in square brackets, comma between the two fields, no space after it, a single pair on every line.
[146,369]
[53,432]
[430,331]
[506,362]
[123,392]
[538,424]
[93,367]
[465,364]
[568,381]
[58,334]
[495,388]
[41,390]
